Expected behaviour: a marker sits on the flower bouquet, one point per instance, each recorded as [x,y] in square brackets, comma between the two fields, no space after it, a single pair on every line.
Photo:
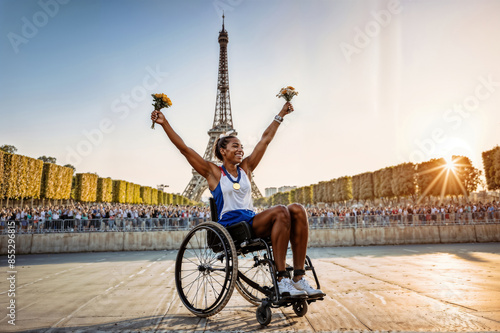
[160,101]
[287,93]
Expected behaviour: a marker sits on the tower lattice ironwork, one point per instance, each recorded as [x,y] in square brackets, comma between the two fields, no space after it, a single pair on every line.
[223,123]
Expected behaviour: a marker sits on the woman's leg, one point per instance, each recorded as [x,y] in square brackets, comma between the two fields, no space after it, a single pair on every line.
[299,235]
[275,222]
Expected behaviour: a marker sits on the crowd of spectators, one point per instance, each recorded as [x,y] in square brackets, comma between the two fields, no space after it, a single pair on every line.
[112,216]
[409,214]
[102,217]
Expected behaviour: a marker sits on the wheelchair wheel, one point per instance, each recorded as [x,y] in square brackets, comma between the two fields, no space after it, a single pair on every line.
[264,314]
[300,307]
[258,273]
[205,269]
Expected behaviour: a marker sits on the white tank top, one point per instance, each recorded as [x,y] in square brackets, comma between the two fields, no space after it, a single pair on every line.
[228,199]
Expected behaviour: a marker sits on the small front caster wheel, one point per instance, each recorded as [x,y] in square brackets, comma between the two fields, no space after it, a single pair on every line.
[264,315]
[300,308]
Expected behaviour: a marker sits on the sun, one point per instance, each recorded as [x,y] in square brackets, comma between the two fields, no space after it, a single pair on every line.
[450,164]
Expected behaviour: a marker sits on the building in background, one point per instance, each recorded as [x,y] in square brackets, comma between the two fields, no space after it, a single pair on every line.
[273,190]
[286,188]
[270,191]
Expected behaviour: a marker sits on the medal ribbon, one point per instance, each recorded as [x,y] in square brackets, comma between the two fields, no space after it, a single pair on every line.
[229,176]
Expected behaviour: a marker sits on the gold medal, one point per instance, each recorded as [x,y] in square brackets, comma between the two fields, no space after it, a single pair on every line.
[236,186]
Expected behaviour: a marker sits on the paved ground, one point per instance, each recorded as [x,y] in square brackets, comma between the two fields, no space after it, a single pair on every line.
[439,288]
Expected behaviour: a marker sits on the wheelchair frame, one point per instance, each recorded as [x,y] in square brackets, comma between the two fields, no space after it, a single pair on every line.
[207,270]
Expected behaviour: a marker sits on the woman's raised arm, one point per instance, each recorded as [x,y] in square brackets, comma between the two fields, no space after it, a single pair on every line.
[250,163]
[205,168]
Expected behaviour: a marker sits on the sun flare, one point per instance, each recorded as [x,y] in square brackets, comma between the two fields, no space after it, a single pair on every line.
[450,164]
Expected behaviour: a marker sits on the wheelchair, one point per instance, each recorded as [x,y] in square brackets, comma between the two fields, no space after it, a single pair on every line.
[213,260]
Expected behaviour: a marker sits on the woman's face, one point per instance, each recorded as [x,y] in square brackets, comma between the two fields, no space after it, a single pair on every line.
[233,151]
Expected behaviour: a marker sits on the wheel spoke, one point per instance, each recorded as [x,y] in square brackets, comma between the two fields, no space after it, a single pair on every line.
[186,276]
[213,289]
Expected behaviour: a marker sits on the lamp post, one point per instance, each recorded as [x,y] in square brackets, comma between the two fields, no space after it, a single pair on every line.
[161,187]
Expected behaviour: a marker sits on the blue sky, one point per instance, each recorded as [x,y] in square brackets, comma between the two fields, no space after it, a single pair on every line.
[380,82]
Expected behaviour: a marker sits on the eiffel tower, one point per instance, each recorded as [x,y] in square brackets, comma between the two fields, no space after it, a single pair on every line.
[223,123]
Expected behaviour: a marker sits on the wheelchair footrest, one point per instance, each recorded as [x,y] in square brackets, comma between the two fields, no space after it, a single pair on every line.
[311,300]
[287,298]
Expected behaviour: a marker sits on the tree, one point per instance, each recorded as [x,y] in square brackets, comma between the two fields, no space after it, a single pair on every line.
[431,177]
[299,195]
[48,159]
[330,191]
[438,178]
[362,186]
[382,183]
[356,187]
[261,202]
[308,195]
[403,182]
[491,165]
[367,187]
[8,149]
[465,174]
[342,189]
[70,166]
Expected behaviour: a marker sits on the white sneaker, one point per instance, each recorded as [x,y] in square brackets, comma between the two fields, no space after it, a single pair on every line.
[303,285]
[286,288]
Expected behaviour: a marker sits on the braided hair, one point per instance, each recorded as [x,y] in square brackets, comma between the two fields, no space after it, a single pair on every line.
[222,143]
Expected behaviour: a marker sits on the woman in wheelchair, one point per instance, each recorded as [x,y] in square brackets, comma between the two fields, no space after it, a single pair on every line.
[230,186]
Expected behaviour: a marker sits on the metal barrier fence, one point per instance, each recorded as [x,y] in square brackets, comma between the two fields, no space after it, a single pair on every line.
[371,221]
[101,225]
[315,222]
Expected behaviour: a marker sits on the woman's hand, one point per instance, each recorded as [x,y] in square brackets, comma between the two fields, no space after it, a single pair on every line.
[287,108]
[158,117]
